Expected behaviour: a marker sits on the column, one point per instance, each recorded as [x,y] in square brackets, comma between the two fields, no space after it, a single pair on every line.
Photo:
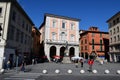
[84,55]
[110,57]
[115,59]
[77,51]
[1,57]
[47,51]
[58,50]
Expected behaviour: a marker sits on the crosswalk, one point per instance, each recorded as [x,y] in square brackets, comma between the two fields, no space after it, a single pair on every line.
[23,76]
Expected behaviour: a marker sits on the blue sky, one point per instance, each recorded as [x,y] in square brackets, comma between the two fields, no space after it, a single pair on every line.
[91,12]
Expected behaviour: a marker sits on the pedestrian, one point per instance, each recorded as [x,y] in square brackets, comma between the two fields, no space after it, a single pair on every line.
[76,63]
[8,65]
[90,62]
[81,61]
[23,66]
[33,61]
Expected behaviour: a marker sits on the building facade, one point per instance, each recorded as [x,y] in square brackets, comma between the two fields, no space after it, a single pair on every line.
[16,28]
[36,42]
[114,33]
[94,40]
[60,35]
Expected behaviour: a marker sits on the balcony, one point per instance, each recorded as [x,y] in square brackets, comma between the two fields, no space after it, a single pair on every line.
[61,42]
[115,43]
[95,43]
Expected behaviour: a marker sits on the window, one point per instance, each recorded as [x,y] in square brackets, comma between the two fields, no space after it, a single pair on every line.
[25,39]
[53,36]
[85,41]
[23,23]
[27,27]
[110,32]
[85,47]
[81,47]
[63,25]
[22,37]
[118,37]
[19,22]
[92,44]
[117,28]
[117,20]
[110,24]
[11,32]
[113,22]
[114,30]
[93,34]
[114,38]
[100,41]
[82,42]
[72,37]
[0,11]
[111,40]
[63,37]
[0,29]
[14,16]
[30,29]
[100,45]
[54,24]
[72,26]
[17,35]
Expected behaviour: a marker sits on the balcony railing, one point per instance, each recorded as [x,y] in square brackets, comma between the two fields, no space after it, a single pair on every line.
[95,43]
[49,41]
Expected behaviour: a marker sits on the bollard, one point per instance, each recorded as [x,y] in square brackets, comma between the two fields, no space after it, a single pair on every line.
[118,71]
[57,71]
[94,71]
[2,71]
[44,71]
[82,71]
[70,71]
[107,71]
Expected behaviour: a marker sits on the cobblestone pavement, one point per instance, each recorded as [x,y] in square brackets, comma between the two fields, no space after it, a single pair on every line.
[35,72]
[51,67]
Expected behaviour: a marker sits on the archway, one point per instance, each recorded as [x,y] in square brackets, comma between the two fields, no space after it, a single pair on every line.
[62,50]
[86,55]
[72,52]
[82,54]
[52,52]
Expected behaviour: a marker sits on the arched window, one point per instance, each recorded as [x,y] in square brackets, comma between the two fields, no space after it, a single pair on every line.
[118,37]
[117,28]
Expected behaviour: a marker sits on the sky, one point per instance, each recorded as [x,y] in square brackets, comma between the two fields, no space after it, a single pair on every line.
[90,12]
